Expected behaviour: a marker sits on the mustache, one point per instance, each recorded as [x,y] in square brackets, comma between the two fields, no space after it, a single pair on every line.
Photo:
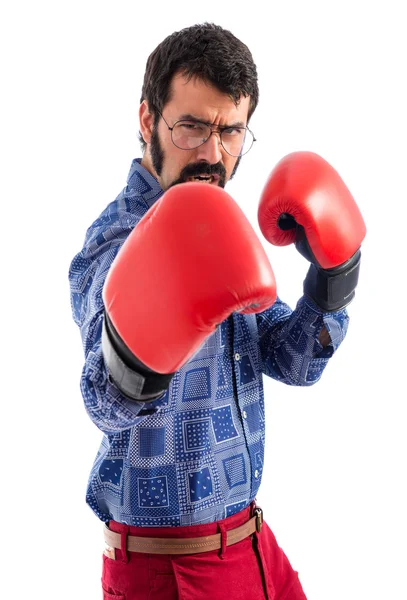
[202,168]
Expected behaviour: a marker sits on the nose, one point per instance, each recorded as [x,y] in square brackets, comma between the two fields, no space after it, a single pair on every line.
[211,150]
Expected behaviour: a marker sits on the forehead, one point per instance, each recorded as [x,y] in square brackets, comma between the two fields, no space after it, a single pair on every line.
[202,100]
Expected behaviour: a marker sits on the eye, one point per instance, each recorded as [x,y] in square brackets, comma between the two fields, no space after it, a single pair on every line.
[191,126]
[234,131]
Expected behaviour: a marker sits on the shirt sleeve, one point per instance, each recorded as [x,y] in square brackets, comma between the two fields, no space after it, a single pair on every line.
[289,346]
[108,408]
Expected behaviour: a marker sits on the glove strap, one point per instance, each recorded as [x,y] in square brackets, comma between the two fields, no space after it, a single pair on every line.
[333,289]
[131,376]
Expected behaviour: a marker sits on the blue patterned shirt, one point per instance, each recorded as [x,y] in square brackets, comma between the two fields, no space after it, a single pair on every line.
[195,455]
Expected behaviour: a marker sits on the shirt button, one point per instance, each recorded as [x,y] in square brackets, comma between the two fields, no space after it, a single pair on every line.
[237,356]
[244,414]
[256,473]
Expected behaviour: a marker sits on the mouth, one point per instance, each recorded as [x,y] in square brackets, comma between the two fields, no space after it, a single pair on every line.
[205,178]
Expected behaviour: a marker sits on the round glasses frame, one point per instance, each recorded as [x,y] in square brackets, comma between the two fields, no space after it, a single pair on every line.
[218,130]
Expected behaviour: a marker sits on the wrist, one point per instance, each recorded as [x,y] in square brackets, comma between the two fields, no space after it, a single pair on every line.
[333,289]
[132,377]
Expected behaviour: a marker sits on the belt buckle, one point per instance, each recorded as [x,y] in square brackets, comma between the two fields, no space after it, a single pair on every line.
[259,518]
[110,552]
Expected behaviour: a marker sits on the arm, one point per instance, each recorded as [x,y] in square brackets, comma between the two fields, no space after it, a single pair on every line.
[305,202]
[109,409]
[324,338]
[290,347]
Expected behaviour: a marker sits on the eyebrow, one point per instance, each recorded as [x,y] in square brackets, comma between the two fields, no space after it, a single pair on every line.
[189,117]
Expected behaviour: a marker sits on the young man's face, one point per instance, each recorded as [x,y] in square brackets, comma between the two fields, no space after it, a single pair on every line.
[172,165]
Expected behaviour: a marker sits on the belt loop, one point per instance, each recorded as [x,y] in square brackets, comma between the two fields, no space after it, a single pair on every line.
[259,518]
[123,544]
[223,540]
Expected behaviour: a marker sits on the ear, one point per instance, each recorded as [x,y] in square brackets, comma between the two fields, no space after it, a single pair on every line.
[146,121]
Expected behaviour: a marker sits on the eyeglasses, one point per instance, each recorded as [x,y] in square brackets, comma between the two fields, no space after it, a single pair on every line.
[188,135]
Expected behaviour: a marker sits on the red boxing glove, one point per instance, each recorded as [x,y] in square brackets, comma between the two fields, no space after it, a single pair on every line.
[306,202]
[191,261]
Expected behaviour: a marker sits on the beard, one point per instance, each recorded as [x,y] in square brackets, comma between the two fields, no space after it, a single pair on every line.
[190,170]
[157,154]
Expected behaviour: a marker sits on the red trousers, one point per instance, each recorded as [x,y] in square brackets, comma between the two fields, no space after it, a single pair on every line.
[254,569]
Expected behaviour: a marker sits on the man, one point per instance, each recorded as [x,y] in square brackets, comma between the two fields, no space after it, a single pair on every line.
[177,307]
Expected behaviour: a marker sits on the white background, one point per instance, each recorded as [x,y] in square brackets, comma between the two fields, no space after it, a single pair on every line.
[332,80]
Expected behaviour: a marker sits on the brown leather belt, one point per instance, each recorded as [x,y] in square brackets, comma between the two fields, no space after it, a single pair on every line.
[152,545]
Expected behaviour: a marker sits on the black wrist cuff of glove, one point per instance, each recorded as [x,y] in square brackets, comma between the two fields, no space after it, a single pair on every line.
[131,376]
[333,289]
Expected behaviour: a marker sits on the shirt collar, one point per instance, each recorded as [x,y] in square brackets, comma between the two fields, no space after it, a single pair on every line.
[143,183]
